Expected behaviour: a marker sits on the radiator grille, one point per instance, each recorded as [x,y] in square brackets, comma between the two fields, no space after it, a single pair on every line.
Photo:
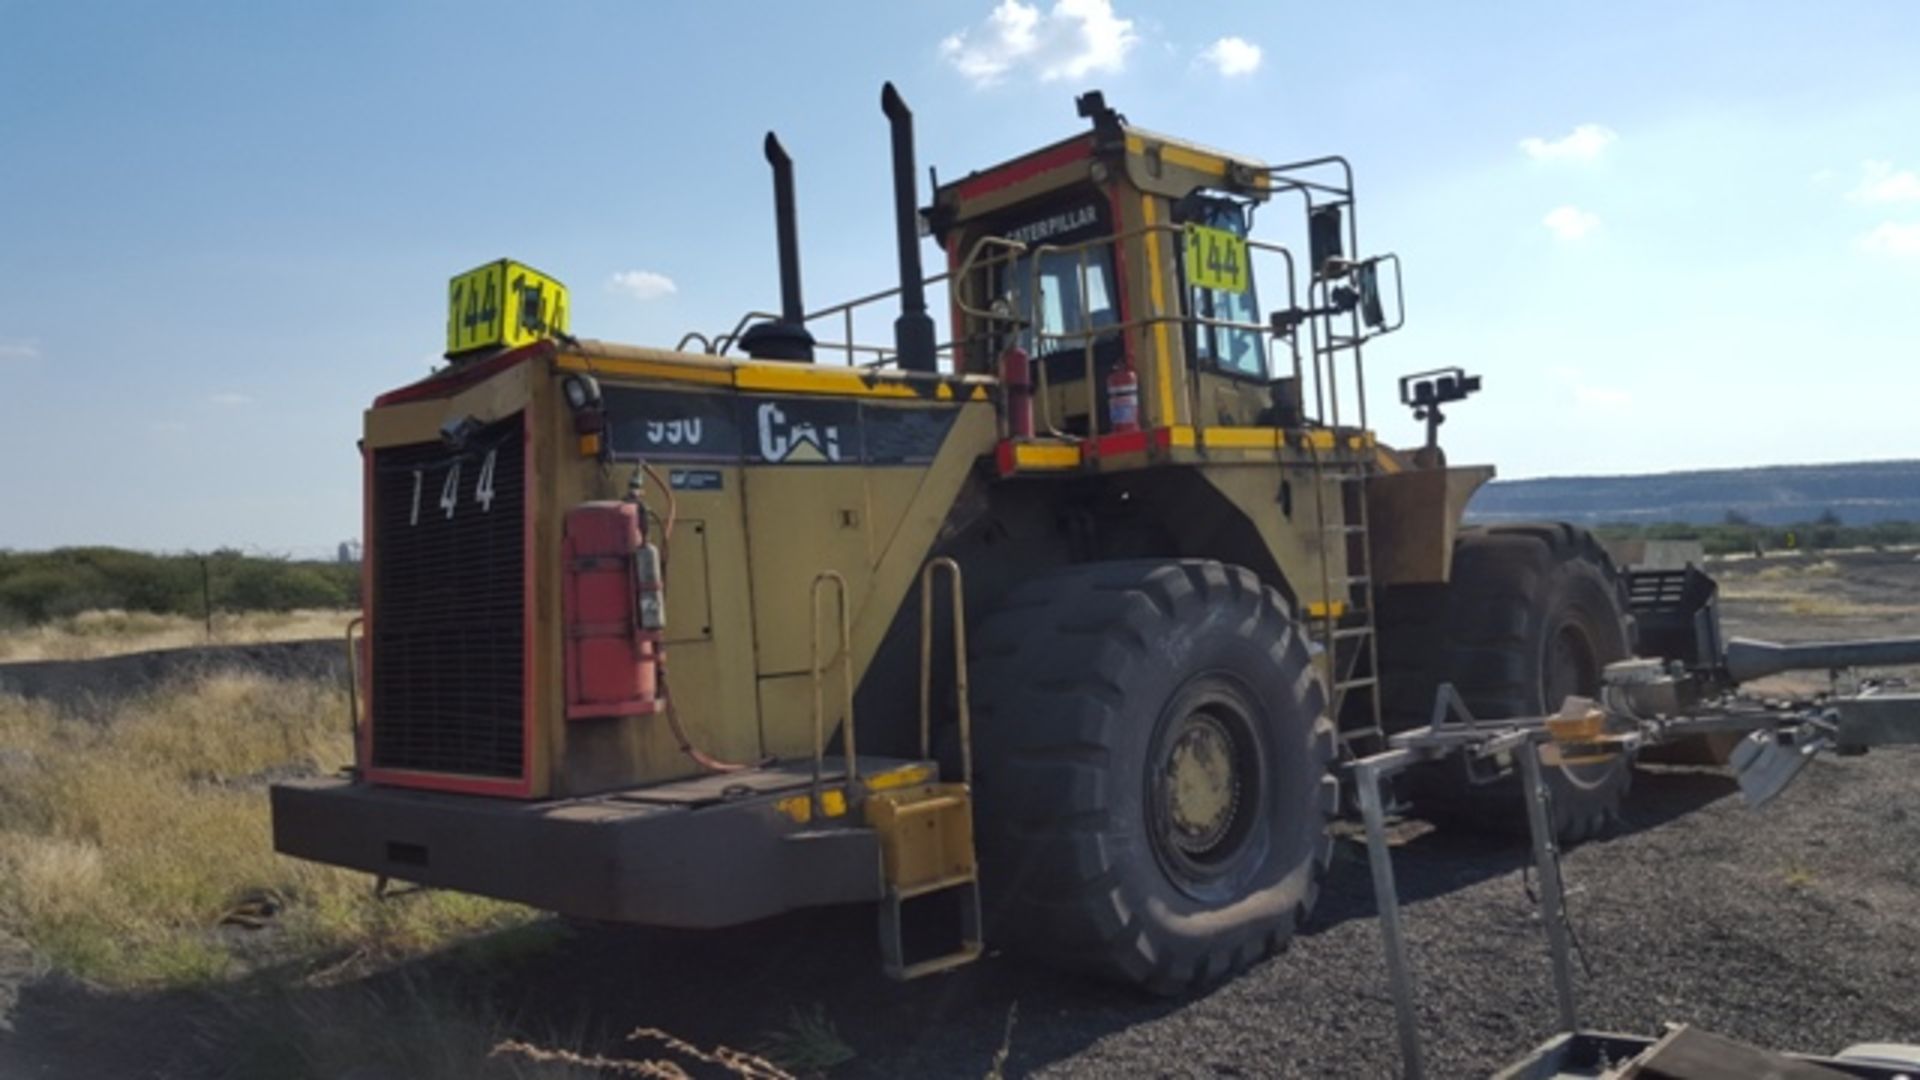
[448,607]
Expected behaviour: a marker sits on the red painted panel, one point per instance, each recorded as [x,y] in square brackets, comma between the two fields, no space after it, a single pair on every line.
[456,381]
[1126,443]
[1026,168]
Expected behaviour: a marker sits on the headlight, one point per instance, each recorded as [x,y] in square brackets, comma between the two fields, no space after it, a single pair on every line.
[582,391]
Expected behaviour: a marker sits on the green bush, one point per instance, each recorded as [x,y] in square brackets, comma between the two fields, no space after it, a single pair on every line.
[1732,537]
[38,586]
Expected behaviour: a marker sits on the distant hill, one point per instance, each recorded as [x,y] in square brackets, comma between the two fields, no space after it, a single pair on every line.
[1859,493]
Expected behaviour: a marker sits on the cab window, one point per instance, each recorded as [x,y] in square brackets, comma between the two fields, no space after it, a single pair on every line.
[1236,350]
[1069,306]
[1063,291]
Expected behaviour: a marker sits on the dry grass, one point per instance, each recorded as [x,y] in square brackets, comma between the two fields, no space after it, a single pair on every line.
[111,633]
[1835,607]
[1795,570]
[412,1027]
[720,1060]
[1806,603]
[126,842]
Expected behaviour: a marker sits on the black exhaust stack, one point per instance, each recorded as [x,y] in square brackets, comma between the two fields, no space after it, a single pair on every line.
[913,341]
[786,339]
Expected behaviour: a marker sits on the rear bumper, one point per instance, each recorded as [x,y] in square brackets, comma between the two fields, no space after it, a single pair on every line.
[619,857]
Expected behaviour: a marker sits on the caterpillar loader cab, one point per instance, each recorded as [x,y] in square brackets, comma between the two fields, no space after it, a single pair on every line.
[1052,626]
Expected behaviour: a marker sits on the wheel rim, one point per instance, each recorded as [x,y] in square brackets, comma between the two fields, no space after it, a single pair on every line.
[1573,667]
[1204,789]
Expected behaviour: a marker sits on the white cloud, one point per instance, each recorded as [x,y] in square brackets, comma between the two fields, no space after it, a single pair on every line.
[1589,396]
[1571,222]
[1232,56]
[1880,183]
[1900,239]
[1583,143]
[1601,397]
[230,399]
[643,284]
[1072,39]
[19,350]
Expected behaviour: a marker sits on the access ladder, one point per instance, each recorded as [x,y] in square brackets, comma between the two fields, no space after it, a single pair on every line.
[925,831]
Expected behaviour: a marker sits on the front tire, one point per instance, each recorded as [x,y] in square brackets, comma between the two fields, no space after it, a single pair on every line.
[1153,778]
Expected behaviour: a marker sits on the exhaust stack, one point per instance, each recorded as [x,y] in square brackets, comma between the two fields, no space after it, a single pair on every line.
[913,340]
[788,233]
[787,338]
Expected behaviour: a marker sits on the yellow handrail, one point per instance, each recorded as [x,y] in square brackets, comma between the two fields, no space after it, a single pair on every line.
[965,716]
[832,577]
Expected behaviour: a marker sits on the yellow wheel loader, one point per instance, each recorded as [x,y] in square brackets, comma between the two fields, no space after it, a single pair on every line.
[1052,626]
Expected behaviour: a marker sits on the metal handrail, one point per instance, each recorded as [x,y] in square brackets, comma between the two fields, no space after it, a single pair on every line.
[957,599]
[353,681]
[834,578]
[845,309]
[726,341]
[1322,346]
[884,353]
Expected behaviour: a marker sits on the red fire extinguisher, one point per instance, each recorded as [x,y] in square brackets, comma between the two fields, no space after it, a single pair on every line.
[614,610]
[1016,375]
[1123,401]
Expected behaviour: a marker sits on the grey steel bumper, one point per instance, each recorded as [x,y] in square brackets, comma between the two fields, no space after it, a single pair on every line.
[612,858]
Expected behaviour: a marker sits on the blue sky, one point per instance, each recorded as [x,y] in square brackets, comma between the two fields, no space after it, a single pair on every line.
[1668,235]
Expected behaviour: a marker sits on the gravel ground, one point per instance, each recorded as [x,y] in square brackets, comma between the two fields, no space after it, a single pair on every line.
[1795,927]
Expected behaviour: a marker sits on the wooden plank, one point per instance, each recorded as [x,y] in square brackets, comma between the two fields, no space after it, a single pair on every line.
[1691,1054]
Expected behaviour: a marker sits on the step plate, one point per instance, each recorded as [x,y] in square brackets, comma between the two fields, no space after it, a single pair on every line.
[926,835]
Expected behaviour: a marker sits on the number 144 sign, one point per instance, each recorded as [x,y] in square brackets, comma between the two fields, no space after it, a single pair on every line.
[1216,259]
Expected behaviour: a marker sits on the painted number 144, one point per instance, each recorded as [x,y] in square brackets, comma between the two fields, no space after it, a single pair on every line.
[450,489]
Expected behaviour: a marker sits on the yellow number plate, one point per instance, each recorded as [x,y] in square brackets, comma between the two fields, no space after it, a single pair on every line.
[1216,259]
[503,304]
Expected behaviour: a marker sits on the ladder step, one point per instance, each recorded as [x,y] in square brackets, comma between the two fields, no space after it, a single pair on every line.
[1355,684]
[1362,733]
[926,847]
[1347,632]
[1343,612]
[1348,529]
[892,945]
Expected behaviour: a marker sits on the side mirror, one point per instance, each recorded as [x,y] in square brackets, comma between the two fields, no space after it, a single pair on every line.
[1326,237]
[1371,308]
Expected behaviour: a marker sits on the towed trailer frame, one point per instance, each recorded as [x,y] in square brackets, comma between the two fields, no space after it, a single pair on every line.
[1640,706]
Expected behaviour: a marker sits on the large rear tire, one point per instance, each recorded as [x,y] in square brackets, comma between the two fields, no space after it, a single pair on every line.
[1153,771]
[1533,614]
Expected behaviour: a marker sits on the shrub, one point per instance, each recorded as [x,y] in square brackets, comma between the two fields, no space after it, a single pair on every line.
[36,587]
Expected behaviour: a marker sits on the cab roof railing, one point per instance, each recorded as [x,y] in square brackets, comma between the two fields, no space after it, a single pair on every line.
[857,353]
[1313,363]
